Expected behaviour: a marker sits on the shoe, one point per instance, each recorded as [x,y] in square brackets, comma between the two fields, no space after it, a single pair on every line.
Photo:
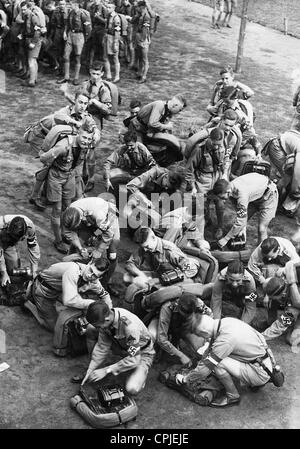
[31,84]
[76,82]
[108,79]
[225,401]
[116,80]
[24,77]
[27,84]
[78,378]
[64,80]
[20,74]
[142,80]
[61,247]
[228,26]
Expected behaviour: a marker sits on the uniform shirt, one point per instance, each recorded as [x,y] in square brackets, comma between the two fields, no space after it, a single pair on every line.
[290,142]
[244,190]
[134,161]
[220,290]
[113,24]
[142,24]
[218,87]
[100,92]
[130,334]
[65,155]
[32,26]
[79,21]
[236,340]
[231,141]
[58,19]
[153,116]
[98,15]
[32,243]
[62,116]
[164,330]
[100,214]
[165,253]
[149,182]
[287,252]
[203,161]
[66,281]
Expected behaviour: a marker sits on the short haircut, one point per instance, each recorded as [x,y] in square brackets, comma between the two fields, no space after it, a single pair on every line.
[81,92]
[220,186]
[268,245]
[135,104]
[23,4]
[97,66]
[182,99]
[97,312]
[141,235]
[230,114]
[187,304]
[141,3]
[226,69]
[175,179]
[236,267]
[130,136]
[216,134]
[17,227]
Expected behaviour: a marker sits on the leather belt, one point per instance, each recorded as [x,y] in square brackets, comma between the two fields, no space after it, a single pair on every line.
[44,283]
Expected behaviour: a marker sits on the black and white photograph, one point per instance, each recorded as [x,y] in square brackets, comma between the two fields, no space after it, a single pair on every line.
[149,217]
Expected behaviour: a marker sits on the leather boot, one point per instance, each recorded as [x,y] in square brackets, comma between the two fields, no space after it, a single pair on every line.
[231,397]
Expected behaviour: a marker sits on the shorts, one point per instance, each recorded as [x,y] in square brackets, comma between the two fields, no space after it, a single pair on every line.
[34,52]
[75,41]
[60,185]
[267,206]
[253,374]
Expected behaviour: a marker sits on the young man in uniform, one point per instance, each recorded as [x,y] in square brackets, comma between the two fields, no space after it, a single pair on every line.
[58,25]
[78,30]
[65,282]
[118,331]
[141,21]
[235,284]
[249,193]
[270,258]
[65,161]
[32,35]
[235,348]
[111,42]
[127,162]
[14,229]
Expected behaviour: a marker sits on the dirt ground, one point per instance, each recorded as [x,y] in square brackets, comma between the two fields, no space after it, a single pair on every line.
[270,13]
[186,55]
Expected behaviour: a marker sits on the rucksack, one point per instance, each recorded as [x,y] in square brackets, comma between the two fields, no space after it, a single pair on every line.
[124,24]
[38,13]
[57,133]
[115,97]
[261,167]
[154,19]
[44,125]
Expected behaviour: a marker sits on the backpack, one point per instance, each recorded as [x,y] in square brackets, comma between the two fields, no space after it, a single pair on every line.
[44,125]
[38,13]
[261,167]
[115,97]
[154,19]
[57,133]
[124,24]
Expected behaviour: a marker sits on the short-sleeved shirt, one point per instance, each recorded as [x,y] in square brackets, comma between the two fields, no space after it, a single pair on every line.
[32,243]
